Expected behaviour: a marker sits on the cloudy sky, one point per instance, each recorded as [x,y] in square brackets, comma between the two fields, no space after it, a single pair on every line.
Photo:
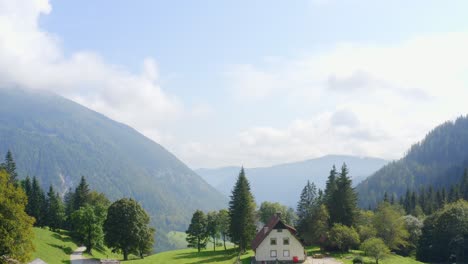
[249,82]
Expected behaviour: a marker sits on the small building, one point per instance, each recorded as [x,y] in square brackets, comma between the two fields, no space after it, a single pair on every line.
[278,241]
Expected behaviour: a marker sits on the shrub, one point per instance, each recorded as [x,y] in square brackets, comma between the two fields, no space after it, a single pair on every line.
[358,260]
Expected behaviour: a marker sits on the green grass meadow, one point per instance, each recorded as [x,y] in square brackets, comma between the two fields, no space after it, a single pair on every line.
[53,247]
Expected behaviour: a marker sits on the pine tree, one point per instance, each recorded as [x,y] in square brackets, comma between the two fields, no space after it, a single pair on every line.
[10,167]
[464,186]
[242,213]
[81,196]
[37,203]
[55,210]
[69,208]
[307,203]
[330,196]
[346,200]
[197,234]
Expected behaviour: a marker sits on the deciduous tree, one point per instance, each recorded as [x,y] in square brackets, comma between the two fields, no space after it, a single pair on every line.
[197,234]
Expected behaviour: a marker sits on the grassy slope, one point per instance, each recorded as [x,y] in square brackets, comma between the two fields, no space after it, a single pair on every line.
[347,258]
[53,247]
[190,256]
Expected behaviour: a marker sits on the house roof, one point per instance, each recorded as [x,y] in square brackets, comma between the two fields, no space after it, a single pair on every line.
[270,225]
[37,261]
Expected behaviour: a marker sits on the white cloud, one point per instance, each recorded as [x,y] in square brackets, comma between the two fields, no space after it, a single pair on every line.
[31,57]
[361,99]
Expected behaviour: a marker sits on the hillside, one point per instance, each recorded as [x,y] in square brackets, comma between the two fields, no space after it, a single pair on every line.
[53,247]
[438,160]
[290,176]
[58,140]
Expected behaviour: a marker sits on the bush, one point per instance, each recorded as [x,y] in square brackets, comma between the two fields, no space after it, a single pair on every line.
[358,260]
[376,248]
[343,237]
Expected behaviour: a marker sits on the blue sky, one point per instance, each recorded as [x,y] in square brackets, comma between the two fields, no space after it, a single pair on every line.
[249,82]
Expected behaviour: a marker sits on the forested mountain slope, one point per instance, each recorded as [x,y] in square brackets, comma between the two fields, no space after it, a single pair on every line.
[58,141]
[438,160]
[283,183]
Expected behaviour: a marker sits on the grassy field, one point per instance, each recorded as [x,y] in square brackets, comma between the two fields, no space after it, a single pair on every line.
[347,258]
[53,247]
[191,256]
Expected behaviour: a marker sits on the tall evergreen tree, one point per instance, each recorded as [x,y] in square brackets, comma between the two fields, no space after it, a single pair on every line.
[69,208]
[242,213]
[346,200]
[36,202]
[464,186]
[197,234]
[330,196]
[81,196]
[307,204]
[55,210]
[10,167]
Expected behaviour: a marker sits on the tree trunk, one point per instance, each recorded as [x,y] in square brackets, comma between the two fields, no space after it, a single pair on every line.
[214,244]
[224,241]
[125,253]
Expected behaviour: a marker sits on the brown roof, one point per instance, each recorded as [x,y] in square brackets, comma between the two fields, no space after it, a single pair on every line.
[263,233]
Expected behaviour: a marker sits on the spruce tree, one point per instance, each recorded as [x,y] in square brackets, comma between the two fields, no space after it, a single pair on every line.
[55,210]
[81,196]
[242,213]
[307,203]
[346,199]
[37,203]
[330,196]
[10,167]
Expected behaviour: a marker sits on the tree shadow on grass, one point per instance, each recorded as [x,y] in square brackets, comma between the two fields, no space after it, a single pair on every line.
[61,237]
[208,256]
[66,250]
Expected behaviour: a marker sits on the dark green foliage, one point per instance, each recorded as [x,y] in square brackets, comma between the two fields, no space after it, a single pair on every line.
[81,195]
[438,160]
[37,203]
[268,209]
[390,225]
[358,260]
[55,211]
[10,167]
[313,217]
[445,233]
[242,213]
[197,234]
[58,141]
[340,198]
[127,228]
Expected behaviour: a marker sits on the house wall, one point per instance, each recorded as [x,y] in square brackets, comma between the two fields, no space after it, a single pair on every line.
[295,247]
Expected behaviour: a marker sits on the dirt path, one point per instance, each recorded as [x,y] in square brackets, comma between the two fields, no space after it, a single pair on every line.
[77,257]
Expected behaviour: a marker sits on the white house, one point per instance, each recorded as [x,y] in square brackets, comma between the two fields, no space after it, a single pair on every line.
[278,241]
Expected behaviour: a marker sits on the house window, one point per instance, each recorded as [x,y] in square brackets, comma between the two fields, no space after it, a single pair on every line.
[273,241]
[285,253]
[273,253]
[286,241]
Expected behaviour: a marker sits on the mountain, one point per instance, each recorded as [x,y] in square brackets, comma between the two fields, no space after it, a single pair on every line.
[438,161]
[58,141]
[283,183]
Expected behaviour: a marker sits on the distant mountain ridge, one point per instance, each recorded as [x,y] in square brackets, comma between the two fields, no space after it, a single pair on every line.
[438,161]
[283,183]
[58,141]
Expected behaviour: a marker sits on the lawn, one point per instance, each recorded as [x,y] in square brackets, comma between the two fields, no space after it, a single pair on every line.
[191,256]
[53,247]
[347,258]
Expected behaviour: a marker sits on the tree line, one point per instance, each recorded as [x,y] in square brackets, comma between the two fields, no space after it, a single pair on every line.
[91,218]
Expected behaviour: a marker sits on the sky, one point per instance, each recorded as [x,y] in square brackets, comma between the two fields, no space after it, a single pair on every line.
[249,82]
